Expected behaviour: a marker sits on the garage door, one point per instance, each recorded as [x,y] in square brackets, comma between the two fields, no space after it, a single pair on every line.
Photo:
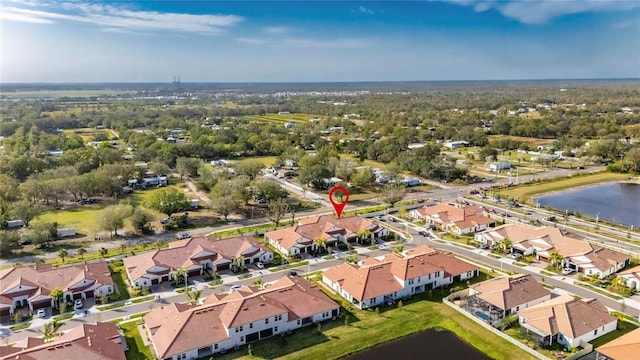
[154,281]
[252,337]
[195,272]
[4,312]
[266,333]
[222,266]
[77,296]
[89,294]
[40,305]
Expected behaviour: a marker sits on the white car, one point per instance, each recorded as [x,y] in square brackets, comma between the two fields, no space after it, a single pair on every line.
[41,313]
[567,271]
[78,304]
[184,235]
[235,288]
[260,265]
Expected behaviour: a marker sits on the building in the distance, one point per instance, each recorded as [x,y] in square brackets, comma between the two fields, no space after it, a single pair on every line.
[458,220]
[394,277]
[180,331]
[30,287]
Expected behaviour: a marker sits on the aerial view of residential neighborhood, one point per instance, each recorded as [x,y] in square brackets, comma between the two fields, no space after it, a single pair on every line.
[451,179]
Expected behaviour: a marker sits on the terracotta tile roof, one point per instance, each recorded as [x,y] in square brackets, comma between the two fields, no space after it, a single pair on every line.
[507,292]
[43,280]
[321,227]
[100,341]
[188,253]
[568,316]
[604,259]
[178,328]
[378,278]
[625,347]
[635,269]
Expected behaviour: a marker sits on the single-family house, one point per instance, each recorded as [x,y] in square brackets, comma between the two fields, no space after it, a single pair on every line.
[323,231]
[29,287]
[499,166]
[625,347]
[631,277]
[180,331]
[379,281]
[504,296]
[458,220]
[543,242]
[195,256]
[566,320]
[99,341]
[455,144]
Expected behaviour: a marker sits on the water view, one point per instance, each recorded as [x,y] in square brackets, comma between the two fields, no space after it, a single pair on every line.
[616,202]
[430,344]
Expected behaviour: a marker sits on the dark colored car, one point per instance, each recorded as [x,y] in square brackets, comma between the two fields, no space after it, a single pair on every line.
[423,233]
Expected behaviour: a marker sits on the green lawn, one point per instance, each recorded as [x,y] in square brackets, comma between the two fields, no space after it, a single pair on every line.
[623,328]
[137,349]
[368,328]
[525,192]
[119,276]
[268,161]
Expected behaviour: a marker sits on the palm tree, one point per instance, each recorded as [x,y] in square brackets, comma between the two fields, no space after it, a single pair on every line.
[619,283]
[57,295]
[81,252]
[49,330]
[505,245]
[180,275]
[103,252]
[259,283]
[321,243]
[193,296]
[63,254]
[556,259]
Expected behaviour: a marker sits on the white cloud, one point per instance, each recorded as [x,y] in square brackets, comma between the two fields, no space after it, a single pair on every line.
[115,17]
[365,10]
[252,41]
[328,44]
[540,12]
[276,30]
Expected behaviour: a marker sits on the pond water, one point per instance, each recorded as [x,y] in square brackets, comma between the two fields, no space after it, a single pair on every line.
[616,202]
[429,344]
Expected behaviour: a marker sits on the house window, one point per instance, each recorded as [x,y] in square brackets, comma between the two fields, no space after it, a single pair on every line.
[279,317]
[595,332]
[266,321]
[298,321]
[240,327]
[241,338]
[236,329]
[215,346]
[275,329]
[250,325]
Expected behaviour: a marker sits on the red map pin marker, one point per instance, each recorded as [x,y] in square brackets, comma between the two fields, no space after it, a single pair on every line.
[339,206]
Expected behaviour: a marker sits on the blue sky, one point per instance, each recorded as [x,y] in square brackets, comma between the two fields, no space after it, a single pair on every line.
[298,41]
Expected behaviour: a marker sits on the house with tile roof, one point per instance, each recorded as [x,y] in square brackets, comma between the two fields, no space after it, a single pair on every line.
[301,238]
[180,331]
[99,341]
[631,277]
[504,296]
[379,281]
[30,287]
[566,320]
[625,347]
[195,256]
[458,220]
[579,255]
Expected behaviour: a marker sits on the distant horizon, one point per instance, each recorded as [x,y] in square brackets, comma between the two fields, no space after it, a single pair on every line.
[314,82]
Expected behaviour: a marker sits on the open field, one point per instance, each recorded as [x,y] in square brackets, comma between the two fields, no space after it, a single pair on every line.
[268,161]
[297,118]
[87,134]
[41,94]
[367,328]
[525,192]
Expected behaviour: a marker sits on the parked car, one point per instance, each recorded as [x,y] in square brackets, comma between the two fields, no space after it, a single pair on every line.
[260,265]
[567,271]
[423,233]
[41,313]
[183,235]
[392,219]
[165,220]
[25,243]
[78,304]
[128,302]
[379,217]
[293,273]
[235,288]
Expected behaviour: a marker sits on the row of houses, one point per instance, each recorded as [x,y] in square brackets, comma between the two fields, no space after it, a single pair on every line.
[457,220]
[99,341]
[182,331]
[195,256]
[323,231]
[544,242]
[546,319]
[30,287]
[376,282]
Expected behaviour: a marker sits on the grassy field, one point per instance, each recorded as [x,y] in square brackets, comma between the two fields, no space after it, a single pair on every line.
[137,349]
[368,328]
[87,134]
[268,161]
[525,192]
[529,141]
[297,118]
